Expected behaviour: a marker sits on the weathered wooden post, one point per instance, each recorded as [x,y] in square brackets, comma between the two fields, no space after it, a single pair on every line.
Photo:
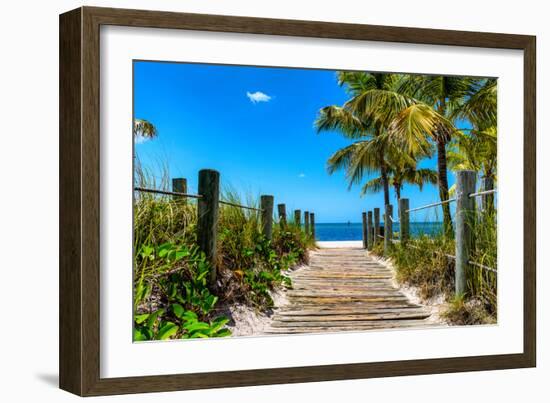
[404,221]
[298,218]
[488,200]
[312,225]
[281,209]
[179,185]
[465,218]
[388,231]
[306,222]
[266,204]
[365,231]
[370,231]
[207,217]
[376,225]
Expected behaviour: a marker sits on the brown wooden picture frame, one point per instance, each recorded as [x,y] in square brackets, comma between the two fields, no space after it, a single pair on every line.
[79,346]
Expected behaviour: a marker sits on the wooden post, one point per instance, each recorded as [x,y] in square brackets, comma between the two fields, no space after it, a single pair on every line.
[298,218]
[404,221]
[388,230]
[365,232]
[465,215]
[266,204]
[376,225]
[179,185]
[312,225]
[488,201]
[281,209]
[370,231]
[207,218]
[306,222]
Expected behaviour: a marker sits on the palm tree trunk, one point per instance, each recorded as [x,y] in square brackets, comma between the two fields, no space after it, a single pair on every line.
[383,170]
[385,184]
[444,187]
[397,188]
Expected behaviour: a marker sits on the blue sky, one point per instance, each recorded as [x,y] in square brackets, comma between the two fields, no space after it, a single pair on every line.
[255,126]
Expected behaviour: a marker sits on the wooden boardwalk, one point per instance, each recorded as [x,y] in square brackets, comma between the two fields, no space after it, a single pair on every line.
[343,289]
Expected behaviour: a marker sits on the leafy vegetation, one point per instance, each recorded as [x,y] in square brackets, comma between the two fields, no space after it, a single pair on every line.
[171,294]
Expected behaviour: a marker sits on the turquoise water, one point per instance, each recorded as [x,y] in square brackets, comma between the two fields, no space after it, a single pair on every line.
[353,231]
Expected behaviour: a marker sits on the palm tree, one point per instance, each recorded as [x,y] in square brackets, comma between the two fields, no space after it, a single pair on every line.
[476,151]
[145,129]
[370,155]
[360,158]
[420,112]
[398,177]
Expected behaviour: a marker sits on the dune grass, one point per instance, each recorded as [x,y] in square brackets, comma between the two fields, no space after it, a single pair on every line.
[171,295]
[426,263]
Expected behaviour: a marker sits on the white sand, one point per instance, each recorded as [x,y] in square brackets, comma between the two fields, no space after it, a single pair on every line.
[247,321]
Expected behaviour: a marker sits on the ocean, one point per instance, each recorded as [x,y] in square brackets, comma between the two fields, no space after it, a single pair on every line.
[353,231]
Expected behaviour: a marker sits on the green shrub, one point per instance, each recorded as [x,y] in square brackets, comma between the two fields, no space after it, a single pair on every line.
[171,294]
[426,263]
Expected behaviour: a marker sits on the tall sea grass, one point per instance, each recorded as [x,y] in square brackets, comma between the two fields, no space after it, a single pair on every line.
[170,272]
[426,262]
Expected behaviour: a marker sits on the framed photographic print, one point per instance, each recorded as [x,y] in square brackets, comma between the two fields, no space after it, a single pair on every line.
[249,201]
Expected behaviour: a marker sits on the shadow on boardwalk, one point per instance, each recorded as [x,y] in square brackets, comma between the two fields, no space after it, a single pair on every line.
[343,289]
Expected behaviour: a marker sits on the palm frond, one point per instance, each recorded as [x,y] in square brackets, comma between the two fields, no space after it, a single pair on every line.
[337,118]
[144,128]
[480,108]
[416,125]
[379,105]
[372,186]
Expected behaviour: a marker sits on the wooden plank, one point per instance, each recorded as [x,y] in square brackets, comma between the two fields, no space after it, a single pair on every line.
[350,325]
[311,311]
[342,290]
[323,319]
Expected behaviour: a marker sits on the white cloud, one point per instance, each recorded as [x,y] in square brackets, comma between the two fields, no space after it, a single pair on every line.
[302,175]
[258,96]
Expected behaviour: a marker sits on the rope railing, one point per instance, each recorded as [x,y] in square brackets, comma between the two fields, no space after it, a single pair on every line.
[166,192]
[476,194]
[239,205]
[465,193]
[195,196]
[453,257]
[482,193]
[431,205]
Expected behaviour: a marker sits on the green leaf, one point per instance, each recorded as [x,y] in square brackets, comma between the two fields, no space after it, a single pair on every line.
[141,318]
[199,335]
[181,254]
[223,333]
[190,316]
[173,290]
[196,326]
[166,330]
[266,276]
[218,323]
[202,276]
[143,290]
[139,335]
[164,249]
[153,318]
[146,251]
[178,310]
